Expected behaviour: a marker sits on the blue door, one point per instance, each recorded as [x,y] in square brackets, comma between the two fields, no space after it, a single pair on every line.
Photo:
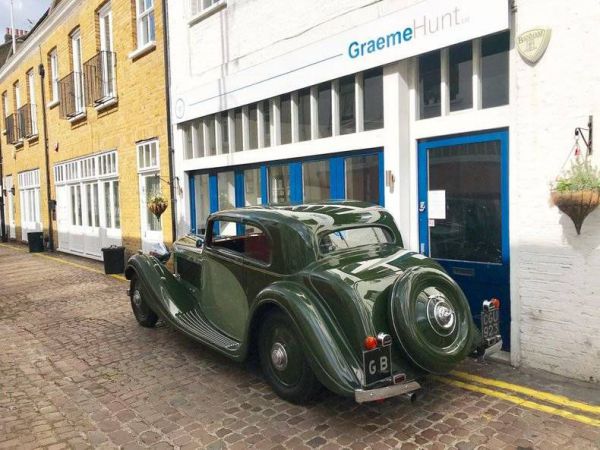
[463,215]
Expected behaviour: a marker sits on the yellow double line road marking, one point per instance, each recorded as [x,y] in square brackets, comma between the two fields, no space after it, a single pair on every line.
[64,261]
[560,400]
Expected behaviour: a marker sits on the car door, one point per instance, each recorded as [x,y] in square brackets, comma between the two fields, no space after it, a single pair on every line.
[223,299]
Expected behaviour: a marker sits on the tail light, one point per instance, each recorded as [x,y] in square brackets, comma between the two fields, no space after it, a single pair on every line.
[370,343]
[495,303]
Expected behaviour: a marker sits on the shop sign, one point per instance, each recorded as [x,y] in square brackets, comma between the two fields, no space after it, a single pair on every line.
[532,44]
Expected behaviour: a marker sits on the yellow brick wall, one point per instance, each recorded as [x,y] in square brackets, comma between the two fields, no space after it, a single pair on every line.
[139,114]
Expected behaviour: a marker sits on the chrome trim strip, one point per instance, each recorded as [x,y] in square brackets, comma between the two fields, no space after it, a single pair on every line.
[493,349]
[368,395]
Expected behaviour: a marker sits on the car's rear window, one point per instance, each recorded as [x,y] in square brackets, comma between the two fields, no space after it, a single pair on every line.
[354,237]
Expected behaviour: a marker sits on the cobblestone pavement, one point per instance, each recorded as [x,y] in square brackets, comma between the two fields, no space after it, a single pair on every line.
[76,371]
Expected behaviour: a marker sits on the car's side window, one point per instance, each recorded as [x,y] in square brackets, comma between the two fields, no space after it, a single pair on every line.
[249,241]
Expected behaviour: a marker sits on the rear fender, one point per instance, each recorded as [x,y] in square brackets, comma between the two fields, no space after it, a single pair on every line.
[328,353]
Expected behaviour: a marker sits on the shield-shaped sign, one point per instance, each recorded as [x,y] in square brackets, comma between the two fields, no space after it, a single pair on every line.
[532,44]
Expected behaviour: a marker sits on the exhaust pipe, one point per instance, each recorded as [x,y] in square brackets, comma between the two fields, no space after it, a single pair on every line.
[410,397]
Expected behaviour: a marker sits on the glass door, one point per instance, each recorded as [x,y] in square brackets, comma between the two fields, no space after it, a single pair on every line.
[463,215]
[151,225]
[91,216]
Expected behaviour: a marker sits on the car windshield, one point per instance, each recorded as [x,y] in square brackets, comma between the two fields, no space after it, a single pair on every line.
[354,237]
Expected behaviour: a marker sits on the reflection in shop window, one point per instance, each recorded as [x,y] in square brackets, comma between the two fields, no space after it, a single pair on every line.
[198,139]
[494,69]
[324,109]
[226,189]
[202,202]
[461,76]
[96,205]
[117,205]
[253,126]
[238,130]
[252,194]
[362,178]
[279,184]
[211,146]
[224,123]
[316,180]
[285,108]
[266,110]
[347,105]
[188,148]
[373,98]
[108,205]
[304,114]
[429,85]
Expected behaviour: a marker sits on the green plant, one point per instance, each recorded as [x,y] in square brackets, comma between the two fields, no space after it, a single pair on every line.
[582,176]
[157,199]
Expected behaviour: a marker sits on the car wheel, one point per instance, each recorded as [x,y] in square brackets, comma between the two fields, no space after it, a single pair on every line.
[142,312]
[283,361]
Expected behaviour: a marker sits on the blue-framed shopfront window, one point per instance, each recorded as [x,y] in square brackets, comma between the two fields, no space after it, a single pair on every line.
[353,175]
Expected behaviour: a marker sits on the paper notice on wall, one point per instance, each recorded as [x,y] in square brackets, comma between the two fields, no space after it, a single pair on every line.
[437,204]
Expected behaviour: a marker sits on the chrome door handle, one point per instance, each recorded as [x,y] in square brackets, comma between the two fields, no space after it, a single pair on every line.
[422,207]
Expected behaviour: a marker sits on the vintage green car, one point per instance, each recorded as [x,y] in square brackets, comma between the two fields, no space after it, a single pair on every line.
[324,293]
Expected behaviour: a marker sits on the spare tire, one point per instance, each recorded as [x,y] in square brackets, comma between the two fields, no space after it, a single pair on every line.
[431,319]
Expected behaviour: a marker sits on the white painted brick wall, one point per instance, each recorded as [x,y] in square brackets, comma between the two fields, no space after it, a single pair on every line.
[558,272]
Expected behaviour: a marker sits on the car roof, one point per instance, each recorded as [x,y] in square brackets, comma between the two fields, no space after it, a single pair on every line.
[317,217]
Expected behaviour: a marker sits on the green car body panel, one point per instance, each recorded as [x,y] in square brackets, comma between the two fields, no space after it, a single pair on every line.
[334,300]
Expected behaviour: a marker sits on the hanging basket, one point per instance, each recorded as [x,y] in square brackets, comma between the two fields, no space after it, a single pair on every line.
[157,208]
[576,204]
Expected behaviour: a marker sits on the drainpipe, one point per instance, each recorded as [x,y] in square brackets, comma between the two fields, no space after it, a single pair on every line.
[172,189]
[4,235]
[42,73]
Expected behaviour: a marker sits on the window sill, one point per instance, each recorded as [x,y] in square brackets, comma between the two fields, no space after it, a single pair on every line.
[207,12]
[32,138]
[139,52]
[4,132]
[53,104]
[79,117]
[19,144]
[112,101]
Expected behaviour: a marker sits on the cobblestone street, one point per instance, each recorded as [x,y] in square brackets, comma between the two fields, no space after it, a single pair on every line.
[76,371]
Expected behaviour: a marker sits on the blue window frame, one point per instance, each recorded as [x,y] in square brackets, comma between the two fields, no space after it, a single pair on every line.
[371,179]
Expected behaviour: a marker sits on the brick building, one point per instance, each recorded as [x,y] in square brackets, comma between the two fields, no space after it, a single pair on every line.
[425,107]
[83,103]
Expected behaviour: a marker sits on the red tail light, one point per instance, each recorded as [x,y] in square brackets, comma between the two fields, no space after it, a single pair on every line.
[495,302]
[370,343]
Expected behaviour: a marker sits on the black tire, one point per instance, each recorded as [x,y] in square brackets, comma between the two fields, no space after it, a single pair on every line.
[291,377]
[142,312]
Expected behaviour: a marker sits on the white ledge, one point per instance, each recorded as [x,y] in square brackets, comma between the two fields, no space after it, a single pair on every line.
[139,52]
[78,117]
[52,104]
[207,12]
[106,104]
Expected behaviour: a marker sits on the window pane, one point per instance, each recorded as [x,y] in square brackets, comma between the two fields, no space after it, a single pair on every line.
[224,121]
[429,85]
[79,212]
[88,199]
[267,120]
[279,184]
[316,180]
[239,138]
[362,178]
[226,187]
[96,205]
[347,105]
[187,141]
[354,237]
[152,184]
[373,98]
[304,114]
[117,204]
[198,130]
[253,126]
[202,202]
[210,137]
[494,70]
[461,76]
[324,109]
[246,240]
[108,205]
[252,194]
[73,207]
[285,108]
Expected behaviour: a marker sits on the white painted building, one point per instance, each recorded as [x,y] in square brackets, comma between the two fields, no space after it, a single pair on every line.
[425,107]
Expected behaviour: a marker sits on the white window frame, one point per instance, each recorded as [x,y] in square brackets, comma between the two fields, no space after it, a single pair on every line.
[5,109]
[200,9]
[107,48]
[147,152]
[54,75]
[29,195]
[17,89]
[143,24]
[76,52]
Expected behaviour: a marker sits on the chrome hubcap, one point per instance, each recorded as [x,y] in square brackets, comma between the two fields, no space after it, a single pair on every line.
[279,356]
[441,315]
[137,298]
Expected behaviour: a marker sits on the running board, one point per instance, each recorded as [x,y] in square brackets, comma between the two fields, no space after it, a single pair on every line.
[195,324]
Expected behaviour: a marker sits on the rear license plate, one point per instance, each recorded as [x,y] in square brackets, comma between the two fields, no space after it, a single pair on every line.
[490,323]
[377,364]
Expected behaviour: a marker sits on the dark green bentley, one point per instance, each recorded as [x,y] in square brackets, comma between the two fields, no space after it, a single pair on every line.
[324,293]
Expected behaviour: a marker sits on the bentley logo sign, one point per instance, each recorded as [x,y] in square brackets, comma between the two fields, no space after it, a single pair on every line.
[533,43]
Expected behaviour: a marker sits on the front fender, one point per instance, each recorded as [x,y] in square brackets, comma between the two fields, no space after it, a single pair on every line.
[329,354]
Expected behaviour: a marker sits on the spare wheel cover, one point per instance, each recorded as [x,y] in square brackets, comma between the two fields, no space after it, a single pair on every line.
[431,319]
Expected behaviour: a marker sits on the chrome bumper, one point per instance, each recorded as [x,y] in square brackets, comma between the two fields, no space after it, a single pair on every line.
[369,395]
[494,348]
